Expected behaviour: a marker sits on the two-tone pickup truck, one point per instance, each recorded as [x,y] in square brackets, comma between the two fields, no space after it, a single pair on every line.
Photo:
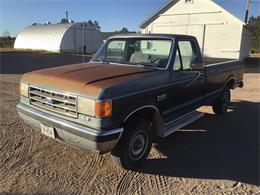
[136,88]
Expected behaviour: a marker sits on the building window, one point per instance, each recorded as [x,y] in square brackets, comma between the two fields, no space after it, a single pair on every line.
[188,1]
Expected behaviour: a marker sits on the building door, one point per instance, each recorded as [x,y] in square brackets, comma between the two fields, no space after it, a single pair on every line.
[198,31]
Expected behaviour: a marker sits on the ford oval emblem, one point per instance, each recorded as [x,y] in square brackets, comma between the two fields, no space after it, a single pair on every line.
[48,100]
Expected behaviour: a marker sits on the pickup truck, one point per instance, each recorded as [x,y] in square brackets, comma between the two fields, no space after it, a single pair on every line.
[136,88]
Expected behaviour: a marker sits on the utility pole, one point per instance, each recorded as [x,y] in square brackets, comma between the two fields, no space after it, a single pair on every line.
[248,3]
[67,16]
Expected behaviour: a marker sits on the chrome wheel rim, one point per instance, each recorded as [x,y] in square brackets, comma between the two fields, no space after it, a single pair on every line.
[138,145]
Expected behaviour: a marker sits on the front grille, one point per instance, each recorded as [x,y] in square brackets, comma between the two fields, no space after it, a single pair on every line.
[53,101]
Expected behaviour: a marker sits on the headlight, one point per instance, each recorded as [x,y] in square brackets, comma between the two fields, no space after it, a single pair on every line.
[86,106]
[24,89]
[101,109]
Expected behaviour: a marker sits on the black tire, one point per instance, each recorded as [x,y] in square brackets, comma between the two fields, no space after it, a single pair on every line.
[134,145]
[221,104]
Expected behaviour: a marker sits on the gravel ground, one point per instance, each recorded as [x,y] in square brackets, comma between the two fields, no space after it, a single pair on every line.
[214,155]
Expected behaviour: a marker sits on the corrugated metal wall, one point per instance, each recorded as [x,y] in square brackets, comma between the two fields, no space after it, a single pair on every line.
[59,37]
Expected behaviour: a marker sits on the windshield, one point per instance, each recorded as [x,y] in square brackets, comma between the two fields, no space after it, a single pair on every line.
[136,52]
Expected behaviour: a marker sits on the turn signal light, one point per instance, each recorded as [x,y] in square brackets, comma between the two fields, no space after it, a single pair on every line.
[103,109]
[17,87]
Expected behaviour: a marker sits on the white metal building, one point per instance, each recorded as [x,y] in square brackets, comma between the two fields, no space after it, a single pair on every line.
[219,33]
[72,37]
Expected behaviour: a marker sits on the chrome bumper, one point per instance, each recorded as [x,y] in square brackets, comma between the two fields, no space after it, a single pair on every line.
[71,133]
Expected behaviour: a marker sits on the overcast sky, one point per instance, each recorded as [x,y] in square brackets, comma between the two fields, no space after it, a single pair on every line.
[111,14]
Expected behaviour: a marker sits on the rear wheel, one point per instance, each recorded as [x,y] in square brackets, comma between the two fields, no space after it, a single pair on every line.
[134,145]
[221,104]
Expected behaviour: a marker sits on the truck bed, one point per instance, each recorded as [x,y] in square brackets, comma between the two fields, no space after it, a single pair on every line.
[210,61]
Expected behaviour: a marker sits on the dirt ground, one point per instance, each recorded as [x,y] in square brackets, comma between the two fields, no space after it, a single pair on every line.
[214,155]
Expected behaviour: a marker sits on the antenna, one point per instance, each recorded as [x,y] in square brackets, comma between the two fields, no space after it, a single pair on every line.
[248,3]
[67,16]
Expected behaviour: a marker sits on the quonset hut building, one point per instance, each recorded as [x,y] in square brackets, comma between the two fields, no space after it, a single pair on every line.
[71,37]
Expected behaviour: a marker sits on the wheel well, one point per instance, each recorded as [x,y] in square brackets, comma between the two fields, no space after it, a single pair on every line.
[146,113]
[231,83]
[149,113]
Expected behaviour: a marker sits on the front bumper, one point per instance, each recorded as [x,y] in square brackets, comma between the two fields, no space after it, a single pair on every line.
[71,133]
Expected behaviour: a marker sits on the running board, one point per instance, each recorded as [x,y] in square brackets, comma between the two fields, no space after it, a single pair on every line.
[180,122]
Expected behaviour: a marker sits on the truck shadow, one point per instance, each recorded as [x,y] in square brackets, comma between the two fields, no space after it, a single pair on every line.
[252,64]
[214,147]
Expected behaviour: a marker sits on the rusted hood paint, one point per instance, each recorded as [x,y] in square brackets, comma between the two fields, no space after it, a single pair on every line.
[86,79]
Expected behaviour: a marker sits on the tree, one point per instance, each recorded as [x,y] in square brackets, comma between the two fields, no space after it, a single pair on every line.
[6,34]
[254,26]
[96,25]
[64,21]
[90,23]
[34,24]
[124,30]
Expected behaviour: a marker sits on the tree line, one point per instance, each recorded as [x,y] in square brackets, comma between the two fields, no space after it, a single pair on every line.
[254,26]
[94,24]
[90,23]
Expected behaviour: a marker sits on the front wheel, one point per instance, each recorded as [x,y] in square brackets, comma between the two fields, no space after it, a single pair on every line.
[134,145]
[221,104]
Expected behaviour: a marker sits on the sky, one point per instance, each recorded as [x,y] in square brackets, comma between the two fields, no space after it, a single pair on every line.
[111,14]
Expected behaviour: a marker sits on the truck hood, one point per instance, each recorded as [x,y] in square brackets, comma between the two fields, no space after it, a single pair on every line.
[86,79]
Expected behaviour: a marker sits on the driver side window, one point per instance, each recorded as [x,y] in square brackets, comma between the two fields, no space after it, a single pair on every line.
[185,56]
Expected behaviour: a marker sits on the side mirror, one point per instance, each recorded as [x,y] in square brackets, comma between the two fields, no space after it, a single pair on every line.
[197,65]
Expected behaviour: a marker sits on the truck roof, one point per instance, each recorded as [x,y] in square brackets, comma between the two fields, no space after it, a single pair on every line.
[168,36]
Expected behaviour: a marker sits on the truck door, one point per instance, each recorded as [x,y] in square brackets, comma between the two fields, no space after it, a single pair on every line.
[188,85]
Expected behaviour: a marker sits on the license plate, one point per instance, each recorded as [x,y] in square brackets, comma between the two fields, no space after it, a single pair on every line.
[48,131]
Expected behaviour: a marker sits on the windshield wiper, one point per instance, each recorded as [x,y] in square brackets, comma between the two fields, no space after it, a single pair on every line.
[140,65]
[101,60]
[134,64]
